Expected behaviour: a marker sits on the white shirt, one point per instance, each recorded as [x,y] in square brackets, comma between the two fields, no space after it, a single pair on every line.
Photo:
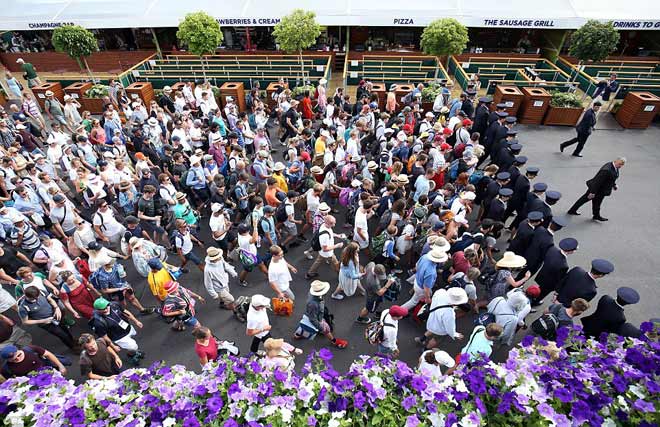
[313,201]
[326,239]
[184,242]
[244,243]
[218,223]
[279,274]
[195,136]
[107,222]
[361,223]
[100,254]
[443,320]
[257,319]
[352,147]
[389,332]
[428,369]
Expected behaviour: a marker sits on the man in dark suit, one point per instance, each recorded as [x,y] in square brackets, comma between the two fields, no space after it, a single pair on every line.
[507,155]
[538,190]
[520,186]
[542,240]
[492,190]
[599,187]
[493,116]
[609,316]
[492,132]
[497,206]
[545,206]
[481,117]
[503,135]
[555,267]
[524,233]
[582,284]
[584,128]
[468,106]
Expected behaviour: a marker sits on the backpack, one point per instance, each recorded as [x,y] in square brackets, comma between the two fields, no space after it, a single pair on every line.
[420,240]
[392,293]
[422,313]
[476,177]
[173,236]
[316,241]
[260,227]
[546,326]
[248,260]
[458,282]
[485,319]
[378,243]
[344,196]
[184,178]
[385,219]
[383,161]
[280,213]
[241,307]
[374,332]
[252,171]
[453,170]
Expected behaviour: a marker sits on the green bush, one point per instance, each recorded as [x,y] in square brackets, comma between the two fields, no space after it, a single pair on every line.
[430,92]
[565,100]
[300,90]
[97,91]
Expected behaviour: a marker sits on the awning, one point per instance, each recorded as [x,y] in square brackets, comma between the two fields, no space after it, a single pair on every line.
[556,14]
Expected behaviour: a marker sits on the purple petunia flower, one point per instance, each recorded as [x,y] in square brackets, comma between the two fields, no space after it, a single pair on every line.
[191,422]
[412,421]
[325,355]
[230,423]
[311,421]
[418,383]
[643,406]
[528,340]
[75,415]
[359,400]
[214,405]
[451,419]
[564,395]
[409,402]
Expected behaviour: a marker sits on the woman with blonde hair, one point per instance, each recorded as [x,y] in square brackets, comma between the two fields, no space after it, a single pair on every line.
[394,172]
[349,273]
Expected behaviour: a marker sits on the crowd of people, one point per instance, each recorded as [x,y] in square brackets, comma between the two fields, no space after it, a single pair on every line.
[426,197]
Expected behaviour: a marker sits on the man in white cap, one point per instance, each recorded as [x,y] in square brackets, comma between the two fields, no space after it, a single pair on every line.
[258,326]
[425,276]
[71,113]
[219,223]
[165,101]
[442,317]
[216,278]
[29,73]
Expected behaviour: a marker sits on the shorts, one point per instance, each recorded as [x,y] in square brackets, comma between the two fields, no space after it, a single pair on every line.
[260,260]
[225,297]
[372,304]
[151,227]
[191,321]
[385,350]
[60,119]
[193,257]
[290,228]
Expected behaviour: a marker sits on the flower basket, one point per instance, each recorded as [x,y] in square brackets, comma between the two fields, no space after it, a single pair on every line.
[565,109]
[93,99]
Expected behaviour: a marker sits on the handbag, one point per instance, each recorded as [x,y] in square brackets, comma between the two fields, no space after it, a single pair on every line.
[282,306]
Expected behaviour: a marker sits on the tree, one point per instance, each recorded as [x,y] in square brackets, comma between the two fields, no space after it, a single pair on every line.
[77,42]
[296,32]
[201,33]
[593,41]
[444,36]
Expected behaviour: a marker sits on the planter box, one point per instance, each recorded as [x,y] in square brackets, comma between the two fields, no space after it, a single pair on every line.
[638,110]
[562,116]
[93,105]
[427,106]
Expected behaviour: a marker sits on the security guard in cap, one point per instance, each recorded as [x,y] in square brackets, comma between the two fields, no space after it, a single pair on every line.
[492,190]
[582,284]
[542,240]
[508,154]
[520,187]
[545,206]
[502,136]
[514,170]
[497,206]
[555,267]
[499,108]
[493,132]
[538,190]
[525,232]
[468,105]
[609,315]
[481,117]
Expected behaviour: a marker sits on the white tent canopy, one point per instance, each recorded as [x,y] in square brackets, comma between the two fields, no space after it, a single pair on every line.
[554,14]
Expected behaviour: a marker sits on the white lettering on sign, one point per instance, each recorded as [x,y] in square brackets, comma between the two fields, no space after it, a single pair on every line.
[403,21]
[524,23]
[248,21]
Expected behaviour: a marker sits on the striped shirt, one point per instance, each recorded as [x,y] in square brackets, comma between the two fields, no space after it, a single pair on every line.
[30,237]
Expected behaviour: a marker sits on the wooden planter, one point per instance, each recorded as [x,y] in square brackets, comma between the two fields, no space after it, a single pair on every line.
[560,116]
[93,105]
[427,106]
[638,110]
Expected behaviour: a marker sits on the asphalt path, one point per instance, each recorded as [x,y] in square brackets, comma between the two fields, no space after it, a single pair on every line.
[630,240]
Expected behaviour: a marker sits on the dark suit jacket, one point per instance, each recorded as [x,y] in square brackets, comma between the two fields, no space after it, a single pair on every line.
[520,191]
[480,120]
[555,267]
[541,206]
[604,181]
[587,123]
[541,241]
[505,159]
[490,133]
[576,284]
[468,108]
[492,117]
[496,210]
[608,317]
[523,236]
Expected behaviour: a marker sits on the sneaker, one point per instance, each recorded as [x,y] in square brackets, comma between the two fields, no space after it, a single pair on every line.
[184,270]
[363,320]
[147,311]
[134,361]
[243,283]
[140,354]
[310,276]
[308,255]
[338,297]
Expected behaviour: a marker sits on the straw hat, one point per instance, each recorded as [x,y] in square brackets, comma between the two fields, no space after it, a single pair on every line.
[134,242]
[511,260]
[372,165]
[437,255]
[195,159]
[214,254]
[180,196]
[316,170]
[324,207]
[49,93]
[124,185]
[402,179]
[441,243]
[279,166]
[259,300]
[273,345]
[319,288]
[443,358]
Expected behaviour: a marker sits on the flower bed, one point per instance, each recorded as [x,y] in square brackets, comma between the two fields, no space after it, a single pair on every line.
[611,382]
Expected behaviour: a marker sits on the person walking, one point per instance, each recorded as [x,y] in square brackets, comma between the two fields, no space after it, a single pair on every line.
[29,73]
[258,326]
[216,278]
[598,187]
[579,283]
[609,315]
[113,323]
[326,236]
[555,267]
[584,128]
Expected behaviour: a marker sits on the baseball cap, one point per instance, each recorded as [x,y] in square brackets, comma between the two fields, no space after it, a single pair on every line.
[101,304]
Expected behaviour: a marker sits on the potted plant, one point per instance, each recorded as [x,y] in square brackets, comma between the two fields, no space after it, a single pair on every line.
[565,109]
[429,93]
[93,99]
[299,91]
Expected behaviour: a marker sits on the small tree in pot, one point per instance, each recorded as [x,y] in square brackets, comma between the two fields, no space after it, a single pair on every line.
[444,36]
[593,41]
[201,33]
[77,42]
[296,32]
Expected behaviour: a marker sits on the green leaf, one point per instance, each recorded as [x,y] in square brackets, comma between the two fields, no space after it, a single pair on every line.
[594,41]
[297,31]
[200,32]
[75,41]
[444,37]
